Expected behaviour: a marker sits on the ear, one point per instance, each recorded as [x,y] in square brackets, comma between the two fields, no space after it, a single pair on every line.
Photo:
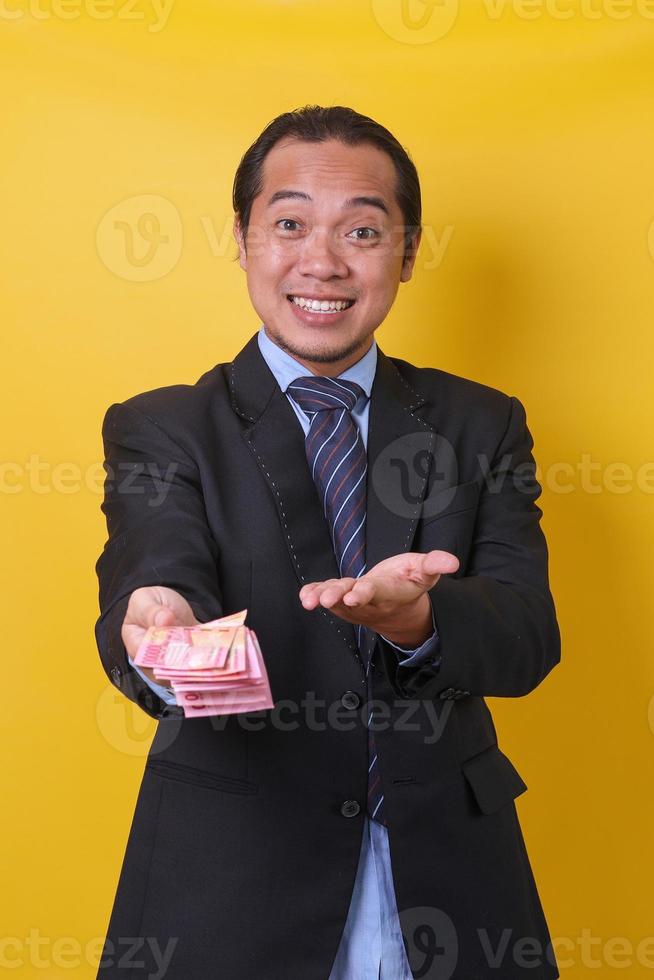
[410,258]
[240,241]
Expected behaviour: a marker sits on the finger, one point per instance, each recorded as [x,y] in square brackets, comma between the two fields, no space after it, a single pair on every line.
[308,589]
[163,616]
[334,591]
[153,614]
[144,604]
[311,587]
[439,563]
[133,629]
[309,594]
[362,592]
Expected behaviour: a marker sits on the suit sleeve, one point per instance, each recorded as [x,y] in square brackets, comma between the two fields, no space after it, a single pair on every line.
[165,693]
[497,623]
[158,534]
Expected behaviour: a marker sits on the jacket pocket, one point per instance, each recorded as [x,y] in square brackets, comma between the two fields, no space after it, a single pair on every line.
[201,777]
[450,501]
[493,779]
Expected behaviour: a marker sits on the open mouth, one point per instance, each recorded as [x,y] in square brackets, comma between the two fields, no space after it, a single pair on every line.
[312,305]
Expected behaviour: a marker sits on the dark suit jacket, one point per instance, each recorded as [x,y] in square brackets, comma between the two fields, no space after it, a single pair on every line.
[240,846]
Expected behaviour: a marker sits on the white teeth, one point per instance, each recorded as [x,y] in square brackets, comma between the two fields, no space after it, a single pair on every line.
[321,306]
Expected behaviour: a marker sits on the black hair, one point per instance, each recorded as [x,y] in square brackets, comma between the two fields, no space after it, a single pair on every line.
[315,124]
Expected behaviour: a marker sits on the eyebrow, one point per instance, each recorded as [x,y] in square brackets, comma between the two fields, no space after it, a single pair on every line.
[363,200]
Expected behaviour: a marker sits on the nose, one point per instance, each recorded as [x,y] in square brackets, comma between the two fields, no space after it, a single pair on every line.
[319,257]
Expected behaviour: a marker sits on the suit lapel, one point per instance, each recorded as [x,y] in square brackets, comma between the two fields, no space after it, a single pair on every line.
[401,449]
[276,440]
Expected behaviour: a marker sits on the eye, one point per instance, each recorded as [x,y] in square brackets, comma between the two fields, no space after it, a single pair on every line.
[367,234]
[286,222]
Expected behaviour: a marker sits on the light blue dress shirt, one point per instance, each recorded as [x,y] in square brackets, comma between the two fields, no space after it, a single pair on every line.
[371,946]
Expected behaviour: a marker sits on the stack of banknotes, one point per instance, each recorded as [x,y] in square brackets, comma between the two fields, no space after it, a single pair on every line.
[214,668]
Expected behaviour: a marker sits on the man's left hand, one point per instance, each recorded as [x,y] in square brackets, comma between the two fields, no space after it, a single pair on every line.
[390,599]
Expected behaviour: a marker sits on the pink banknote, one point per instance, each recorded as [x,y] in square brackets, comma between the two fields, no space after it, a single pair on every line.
[214,668]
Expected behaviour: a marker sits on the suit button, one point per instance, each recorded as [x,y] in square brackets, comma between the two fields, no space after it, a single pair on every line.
[116,675]
[350,808]
[350,699]
[447,694]
[146,698]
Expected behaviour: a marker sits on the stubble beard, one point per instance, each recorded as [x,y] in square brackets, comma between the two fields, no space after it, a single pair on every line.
[323,355]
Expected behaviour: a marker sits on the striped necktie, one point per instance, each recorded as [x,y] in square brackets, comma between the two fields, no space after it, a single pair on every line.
[338,462]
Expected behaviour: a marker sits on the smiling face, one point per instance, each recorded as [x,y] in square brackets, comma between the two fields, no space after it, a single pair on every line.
[324,250]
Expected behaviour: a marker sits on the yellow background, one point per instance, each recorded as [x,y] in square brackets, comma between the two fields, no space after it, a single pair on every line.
[532,134]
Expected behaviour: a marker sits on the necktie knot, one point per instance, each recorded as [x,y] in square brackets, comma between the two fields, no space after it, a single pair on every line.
[316,393]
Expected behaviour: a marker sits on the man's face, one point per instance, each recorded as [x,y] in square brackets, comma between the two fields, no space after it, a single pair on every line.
[325,229]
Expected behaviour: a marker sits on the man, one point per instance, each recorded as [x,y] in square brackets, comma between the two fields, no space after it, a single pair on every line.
[378,522]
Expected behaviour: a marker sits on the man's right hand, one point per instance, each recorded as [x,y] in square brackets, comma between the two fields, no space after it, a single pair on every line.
[153,605]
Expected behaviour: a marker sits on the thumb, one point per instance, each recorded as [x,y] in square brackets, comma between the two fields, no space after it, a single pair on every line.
[158,615]
[439,563]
